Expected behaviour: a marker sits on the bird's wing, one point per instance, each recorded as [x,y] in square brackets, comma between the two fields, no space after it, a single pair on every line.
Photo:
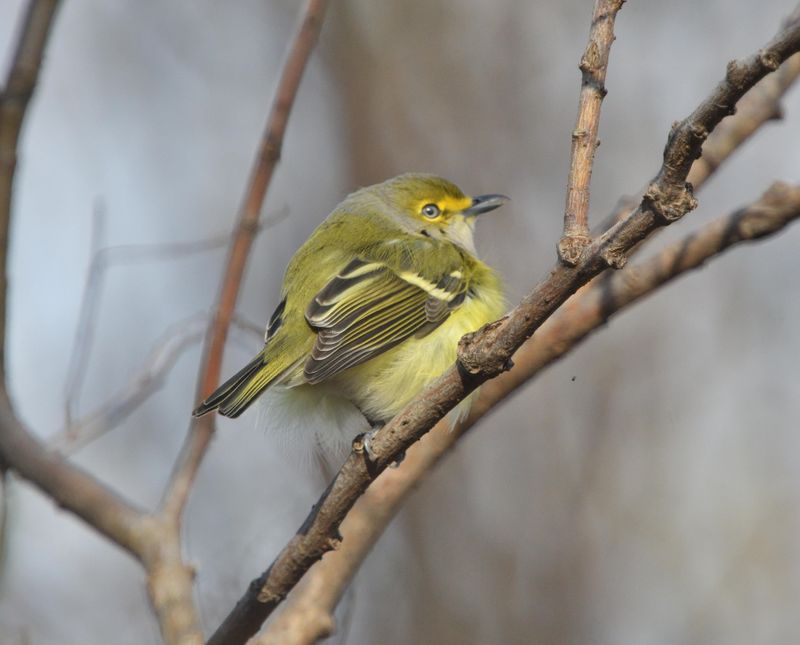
[370,307]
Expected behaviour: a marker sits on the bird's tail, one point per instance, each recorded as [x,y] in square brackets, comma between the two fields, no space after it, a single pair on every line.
[236,394]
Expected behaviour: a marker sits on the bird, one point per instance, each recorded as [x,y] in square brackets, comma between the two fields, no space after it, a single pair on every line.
[373,304]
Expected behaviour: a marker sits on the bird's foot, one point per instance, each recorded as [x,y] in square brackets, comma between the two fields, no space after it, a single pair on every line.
[367,442]
[363,442]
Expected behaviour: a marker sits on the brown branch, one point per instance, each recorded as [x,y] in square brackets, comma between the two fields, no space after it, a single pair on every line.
[14,98]
[757,107]
[154,540]
[593,66]
[487,353]
[269,152]
[68,486]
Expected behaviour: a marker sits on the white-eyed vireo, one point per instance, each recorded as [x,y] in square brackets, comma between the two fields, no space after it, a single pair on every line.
[374,303]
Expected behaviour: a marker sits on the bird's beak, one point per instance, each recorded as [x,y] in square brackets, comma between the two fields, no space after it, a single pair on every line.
[484,204]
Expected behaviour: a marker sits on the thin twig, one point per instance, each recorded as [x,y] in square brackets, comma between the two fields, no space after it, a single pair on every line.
[143,384]
[594,64]
[487,353]
[87,315]
[103,258]
[14,98]
[267,158]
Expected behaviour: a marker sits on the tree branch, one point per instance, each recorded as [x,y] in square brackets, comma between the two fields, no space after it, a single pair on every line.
[594,63]
[487,353]
[67,485]
[16,94]
[758,106]
[154,540]
[269,152]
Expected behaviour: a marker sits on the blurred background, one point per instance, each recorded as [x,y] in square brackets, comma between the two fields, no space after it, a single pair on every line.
[644,490]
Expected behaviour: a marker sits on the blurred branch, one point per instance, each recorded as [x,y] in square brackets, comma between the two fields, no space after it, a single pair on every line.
[308,613]
[487,353]
[267,158]
[104,258]
[143,384]
[87,315]
[19,450]
[594,64]
[14,99]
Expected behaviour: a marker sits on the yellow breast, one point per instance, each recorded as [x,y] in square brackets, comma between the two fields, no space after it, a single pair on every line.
[383,386]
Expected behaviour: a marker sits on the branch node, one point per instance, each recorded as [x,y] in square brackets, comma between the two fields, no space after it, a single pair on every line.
[669,203]
[699,133]
[769,59]
[571,247]
[590,60]
[579,134]
[478,353]
[614,257]
[734,72]
[268,597]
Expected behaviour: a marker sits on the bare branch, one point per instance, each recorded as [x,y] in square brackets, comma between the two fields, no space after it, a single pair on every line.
[87,315]
[308,613]
[14,98]
[104,258]
[148,380]
[268,155]
[487,353]
[67,485]
[143,384]
[758,106]
[594,64]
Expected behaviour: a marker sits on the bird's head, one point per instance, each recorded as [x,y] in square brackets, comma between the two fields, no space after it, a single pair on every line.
[435,207]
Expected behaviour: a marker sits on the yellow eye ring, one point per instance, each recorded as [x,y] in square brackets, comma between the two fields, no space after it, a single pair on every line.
[431,211]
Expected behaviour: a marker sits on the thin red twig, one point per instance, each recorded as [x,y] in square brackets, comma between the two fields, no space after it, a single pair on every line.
[269,153]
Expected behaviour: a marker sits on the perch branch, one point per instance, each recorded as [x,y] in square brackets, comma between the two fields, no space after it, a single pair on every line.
[593,66]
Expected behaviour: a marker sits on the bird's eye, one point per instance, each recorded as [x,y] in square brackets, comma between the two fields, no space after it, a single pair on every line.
[431,211]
